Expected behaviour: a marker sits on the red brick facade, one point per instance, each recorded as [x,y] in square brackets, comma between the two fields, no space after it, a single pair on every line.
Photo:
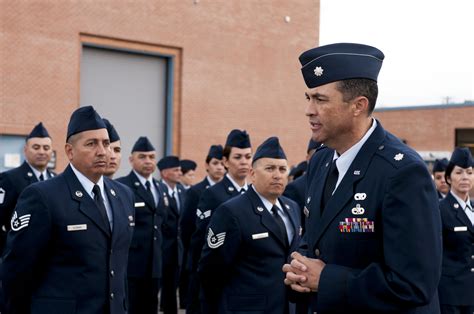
[237,64]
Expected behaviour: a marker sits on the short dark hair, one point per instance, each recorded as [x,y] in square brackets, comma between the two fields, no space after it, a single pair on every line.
[226,151]
[353,88]
[448,171]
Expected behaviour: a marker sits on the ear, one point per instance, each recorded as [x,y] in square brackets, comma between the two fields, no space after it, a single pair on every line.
[252,174]
[69,151]
[226,162]
[360,106]
[130,159]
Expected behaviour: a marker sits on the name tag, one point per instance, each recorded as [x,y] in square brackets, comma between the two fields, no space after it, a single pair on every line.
[140,204]
[462,228]
[260,235]
[76,227]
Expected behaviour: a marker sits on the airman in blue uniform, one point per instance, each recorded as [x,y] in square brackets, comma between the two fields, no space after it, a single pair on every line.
[68,248]
[38,151]
[237,156]
[456,287]
[145,257]
[170,171]
[215,172]
[114,158]
[373,235]
[439,169]
[248,240]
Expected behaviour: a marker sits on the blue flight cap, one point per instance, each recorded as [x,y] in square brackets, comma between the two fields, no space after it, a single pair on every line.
[142,145]
[187,164]
[168,162]
[215,151]
[342,61]
[461,157]
[113,135]
[312,144]
[84,119]
[440,165]
[299,169]
[239,139]
[38,131]
[269,149]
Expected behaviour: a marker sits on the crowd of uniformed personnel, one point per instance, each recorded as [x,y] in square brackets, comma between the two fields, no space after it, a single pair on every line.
[364,228]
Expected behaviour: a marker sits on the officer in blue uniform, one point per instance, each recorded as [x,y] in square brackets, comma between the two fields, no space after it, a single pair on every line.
[170,171]
[237,156]
[372,244]
[456,287]
[249,238]
[114,157]
[38,151]
[215,172]
[68,248]
[439,169]
[145,256]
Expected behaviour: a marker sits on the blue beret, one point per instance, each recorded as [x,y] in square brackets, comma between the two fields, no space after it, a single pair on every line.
[215,151]
[461,157]
[269,149]
[312,144]
[168,162]
[38,131]
[113,135]
[239,139]
[142,145]
[84,119]
[342,61]
[187,165]
[440,165]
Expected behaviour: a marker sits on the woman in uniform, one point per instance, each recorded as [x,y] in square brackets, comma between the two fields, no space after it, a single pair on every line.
[456,288]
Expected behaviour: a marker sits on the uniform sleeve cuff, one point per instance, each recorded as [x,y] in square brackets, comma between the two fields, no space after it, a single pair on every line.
[332,293]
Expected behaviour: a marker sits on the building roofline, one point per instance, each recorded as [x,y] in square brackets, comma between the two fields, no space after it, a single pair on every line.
[426,107]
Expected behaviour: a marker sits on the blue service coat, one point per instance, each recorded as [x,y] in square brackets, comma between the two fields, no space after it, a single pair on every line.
[395,265]
[65,260]
[209,201]
[188,213]
[172,245]
[145,256]
[456,286]
[12,183]
[241,261]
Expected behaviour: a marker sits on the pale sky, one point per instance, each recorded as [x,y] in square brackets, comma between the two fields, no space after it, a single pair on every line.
[428,45]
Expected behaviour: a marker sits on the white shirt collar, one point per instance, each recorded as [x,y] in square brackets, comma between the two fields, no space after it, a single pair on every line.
[38,173]
[211,182]
[87,184]
[171,190]
[268,205]
[461,202]
[237,187]
[143,180]
[344,161]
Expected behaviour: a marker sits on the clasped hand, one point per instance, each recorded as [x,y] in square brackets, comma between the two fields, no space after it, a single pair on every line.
[303,273]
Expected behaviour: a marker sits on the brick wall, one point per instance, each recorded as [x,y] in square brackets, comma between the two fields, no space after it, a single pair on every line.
[239,66]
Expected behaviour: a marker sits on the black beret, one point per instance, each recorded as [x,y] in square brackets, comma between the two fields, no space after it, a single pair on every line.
[168,162]
[113,135]
[269,149]
[461,157]
[142,145]
[187,164]
[38,131]
[342,61]
[215,151]
[440,165]
[239,139]
[84,119]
